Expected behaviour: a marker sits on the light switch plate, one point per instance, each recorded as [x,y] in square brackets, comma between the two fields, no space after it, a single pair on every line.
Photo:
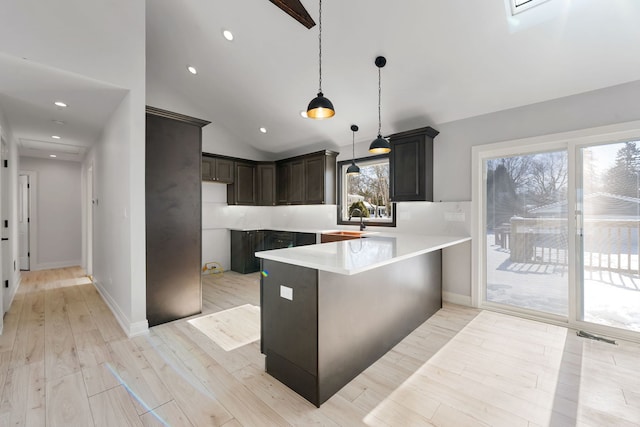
[286,292]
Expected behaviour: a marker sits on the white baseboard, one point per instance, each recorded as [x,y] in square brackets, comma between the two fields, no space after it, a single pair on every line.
[51,265]
[131,329]
[457,298]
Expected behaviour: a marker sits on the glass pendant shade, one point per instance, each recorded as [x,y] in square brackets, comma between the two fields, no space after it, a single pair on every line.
[320,108]
[380,146]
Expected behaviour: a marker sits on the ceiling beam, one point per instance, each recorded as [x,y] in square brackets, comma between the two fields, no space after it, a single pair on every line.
[296,10]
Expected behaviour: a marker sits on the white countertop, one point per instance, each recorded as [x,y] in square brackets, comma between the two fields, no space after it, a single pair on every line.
[355,256]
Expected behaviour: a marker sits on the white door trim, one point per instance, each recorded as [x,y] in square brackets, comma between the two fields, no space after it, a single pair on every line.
[33,219]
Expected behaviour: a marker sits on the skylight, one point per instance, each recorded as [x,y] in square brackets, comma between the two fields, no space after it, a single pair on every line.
[518,6]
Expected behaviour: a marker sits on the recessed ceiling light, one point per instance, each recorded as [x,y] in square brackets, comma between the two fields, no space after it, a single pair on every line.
[192,70]
[60,104]
[263,130]
[227,35]
[58,122]
[52,155]
[55,137]
[303,114]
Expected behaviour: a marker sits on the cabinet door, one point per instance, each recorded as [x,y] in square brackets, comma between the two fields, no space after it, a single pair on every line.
[408,169]
[208,168]
[297,182]
[283,174]
[245,184]
[314,180]
[266,184]
[224,171]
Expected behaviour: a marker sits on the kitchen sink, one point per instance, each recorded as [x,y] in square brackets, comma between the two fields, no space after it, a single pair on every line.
[347,233]
[336,235]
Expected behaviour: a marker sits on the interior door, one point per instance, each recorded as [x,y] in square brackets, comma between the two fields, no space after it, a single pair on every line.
[608,224]
[23,221]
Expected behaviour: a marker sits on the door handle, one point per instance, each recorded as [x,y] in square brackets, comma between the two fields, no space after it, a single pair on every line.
[5,238]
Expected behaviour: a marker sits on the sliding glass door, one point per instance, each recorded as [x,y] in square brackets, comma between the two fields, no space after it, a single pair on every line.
[561,232]
[526,237]
[609,215]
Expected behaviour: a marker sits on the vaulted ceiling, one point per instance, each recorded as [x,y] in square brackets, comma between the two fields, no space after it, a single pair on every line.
[447,60]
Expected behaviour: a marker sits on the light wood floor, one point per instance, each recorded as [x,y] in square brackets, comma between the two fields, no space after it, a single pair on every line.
[64,361]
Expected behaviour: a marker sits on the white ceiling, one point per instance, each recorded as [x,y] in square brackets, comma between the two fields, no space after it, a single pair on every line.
[447,60]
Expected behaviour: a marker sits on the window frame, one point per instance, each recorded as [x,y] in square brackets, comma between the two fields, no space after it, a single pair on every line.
[341,168]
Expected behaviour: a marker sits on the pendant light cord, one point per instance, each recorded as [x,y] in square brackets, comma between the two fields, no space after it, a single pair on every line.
[353,146]
[320,48]
[379,96]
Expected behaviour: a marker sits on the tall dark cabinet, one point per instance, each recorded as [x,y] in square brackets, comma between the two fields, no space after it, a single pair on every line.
[173,177]
[411,165]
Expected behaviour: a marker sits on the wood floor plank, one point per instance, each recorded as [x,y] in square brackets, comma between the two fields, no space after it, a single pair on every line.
[92,349]
[114,408]
[29,343]
[292,407]
[67,402]
[146,388]
[199,405]
[99,378]
[168,414]
[60,356]
[23,396]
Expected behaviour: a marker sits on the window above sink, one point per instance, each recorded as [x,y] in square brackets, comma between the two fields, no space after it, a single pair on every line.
[369,191]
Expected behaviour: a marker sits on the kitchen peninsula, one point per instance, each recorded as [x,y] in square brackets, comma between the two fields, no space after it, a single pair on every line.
[329,311]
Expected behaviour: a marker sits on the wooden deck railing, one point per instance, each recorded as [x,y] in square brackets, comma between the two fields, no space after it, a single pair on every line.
[608,244]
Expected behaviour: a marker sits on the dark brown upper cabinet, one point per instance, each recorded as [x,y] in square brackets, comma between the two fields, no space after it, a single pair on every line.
[411,165]
[217,169]
[297,182]
[307,180]
[243,190]
[266,184]
[283,176]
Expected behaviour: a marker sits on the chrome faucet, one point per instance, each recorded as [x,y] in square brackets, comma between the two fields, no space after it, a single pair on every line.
[362,226]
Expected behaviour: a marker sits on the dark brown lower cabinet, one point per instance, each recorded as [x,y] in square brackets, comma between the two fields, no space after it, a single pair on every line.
[245,243]
[321,329]
[173,215]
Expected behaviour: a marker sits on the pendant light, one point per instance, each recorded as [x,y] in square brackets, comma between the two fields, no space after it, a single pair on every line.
[380,145]
[353,169]
[320,107]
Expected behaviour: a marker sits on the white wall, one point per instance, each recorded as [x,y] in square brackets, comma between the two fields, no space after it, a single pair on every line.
[216,138]
[58,212]
[6,297]
[452,148]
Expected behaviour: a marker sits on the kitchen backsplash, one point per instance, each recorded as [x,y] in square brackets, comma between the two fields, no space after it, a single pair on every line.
[451,218]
